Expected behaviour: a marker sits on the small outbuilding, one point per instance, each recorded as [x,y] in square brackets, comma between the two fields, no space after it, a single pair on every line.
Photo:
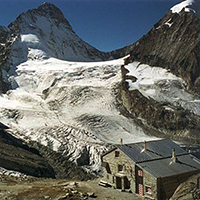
[151,169]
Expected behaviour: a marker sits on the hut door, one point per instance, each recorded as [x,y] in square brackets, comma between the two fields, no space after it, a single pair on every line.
[139,181]
[126,183]
[118,183]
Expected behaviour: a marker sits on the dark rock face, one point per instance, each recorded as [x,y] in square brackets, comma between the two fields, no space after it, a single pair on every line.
[4,33]
[155,119]
[17,156]
[50,10]
[36,160]
[120,53]
[4,52]
[61,165]
[173,43]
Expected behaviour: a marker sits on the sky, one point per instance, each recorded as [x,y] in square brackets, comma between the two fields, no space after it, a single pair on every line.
[105,24]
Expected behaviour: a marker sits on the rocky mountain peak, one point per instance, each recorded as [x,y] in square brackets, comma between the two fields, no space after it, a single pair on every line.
[46,10]
[192,6]
[173,43]
[49,8]
[44,32]
[51,11]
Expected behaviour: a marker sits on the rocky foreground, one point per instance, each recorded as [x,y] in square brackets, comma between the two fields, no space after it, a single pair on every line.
[26,188]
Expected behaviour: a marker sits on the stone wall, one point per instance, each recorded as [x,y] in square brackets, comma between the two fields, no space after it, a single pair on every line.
[150,181]
[128,168]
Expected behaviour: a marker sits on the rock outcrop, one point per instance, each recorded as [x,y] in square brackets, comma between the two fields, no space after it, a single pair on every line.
[153,116]
[173,43]
[4,53]
[16,155]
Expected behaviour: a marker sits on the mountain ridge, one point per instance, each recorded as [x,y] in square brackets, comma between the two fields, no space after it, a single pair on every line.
[41,33]
[173,43]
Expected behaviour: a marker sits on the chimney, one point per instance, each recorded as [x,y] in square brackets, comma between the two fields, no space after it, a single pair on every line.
[145,145]
[121,141]
[174,158]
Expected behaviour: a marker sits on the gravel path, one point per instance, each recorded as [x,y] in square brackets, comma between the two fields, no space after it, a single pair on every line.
[50,189]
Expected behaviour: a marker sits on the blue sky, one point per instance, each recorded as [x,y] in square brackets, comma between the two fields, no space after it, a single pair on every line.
[105,24]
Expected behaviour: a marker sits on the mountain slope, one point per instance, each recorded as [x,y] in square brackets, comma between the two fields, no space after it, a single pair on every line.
[165,103]
[174,43]
[43,33]
[16,155]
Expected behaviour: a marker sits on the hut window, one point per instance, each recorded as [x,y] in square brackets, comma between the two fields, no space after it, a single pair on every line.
[108,170]
[116,153]
[140,173]
[120,168]
[128,168]
[108,176]
[148,189]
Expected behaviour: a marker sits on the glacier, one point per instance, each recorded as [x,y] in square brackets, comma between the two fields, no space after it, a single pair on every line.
[70,107]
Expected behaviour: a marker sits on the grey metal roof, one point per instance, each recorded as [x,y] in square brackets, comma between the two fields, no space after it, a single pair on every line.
[155,149]
[165,167]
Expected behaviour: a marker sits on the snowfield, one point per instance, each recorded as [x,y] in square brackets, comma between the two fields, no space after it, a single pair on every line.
[71,106]
[78,94]
[12,173]
[68,106]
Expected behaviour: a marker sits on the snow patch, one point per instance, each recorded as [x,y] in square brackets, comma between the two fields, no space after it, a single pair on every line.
[168,23]
[30,38]
[12,173]
[192,6]
[163,86]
